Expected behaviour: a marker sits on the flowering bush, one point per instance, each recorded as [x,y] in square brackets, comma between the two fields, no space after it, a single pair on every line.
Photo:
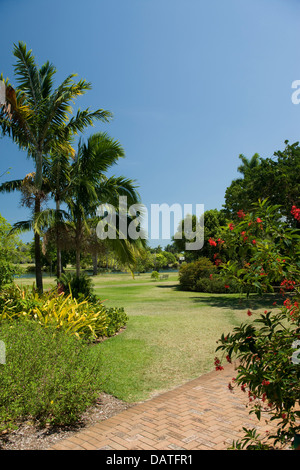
[263,250]
[267,349]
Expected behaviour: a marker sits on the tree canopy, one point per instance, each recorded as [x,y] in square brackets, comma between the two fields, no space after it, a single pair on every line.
[276,178]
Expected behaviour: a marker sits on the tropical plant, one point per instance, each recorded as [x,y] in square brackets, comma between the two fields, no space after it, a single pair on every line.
[266,253]
[77,286]
[275,178]
[248,164]
[37,117]
[91,188]
[8,251]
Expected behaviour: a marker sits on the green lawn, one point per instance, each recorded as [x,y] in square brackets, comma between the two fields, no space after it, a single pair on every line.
[170,337]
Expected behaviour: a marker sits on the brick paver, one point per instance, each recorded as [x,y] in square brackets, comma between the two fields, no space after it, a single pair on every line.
[199,415]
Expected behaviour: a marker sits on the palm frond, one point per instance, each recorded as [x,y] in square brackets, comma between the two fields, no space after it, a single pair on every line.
[48,218]
[27,74]
[10,186]
[22,226]
[86,118]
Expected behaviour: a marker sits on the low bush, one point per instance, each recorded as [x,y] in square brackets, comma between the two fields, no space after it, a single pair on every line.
[190,273]
[78,286]
[82,318]
[216,285]
[48,375]
[155,275]
[116,319]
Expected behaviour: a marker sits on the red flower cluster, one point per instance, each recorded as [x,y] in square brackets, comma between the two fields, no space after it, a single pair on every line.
[241,214]
[218,364]
[292,307]
[296,213]
[286,285]
[212,242]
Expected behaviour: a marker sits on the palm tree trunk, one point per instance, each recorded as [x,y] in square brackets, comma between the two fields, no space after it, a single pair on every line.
[95,263]
[37,249]
[78,247]
[77,262]
[58,249]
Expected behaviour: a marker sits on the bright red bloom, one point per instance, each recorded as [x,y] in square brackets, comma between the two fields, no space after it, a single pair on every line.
[241,214]
[249,313]
[296,213]
[212,242]
[265,382]
[258,220]
[231,226]
[217,363]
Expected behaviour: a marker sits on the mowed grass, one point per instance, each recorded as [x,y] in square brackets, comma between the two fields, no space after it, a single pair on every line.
[171,335]
[170,338]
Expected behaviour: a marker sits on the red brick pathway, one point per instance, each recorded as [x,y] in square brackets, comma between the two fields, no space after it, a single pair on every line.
[199,415]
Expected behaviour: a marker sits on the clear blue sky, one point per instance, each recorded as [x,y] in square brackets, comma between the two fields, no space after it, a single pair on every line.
[191,84]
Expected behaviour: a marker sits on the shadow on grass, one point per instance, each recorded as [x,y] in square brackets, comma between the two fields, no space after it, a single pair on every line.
[169,286]
[231,301]
[239,302]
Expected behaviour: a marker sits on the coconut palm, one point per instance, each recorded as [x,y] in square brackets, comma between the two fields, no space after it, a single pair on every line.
[92,187]
[38,118]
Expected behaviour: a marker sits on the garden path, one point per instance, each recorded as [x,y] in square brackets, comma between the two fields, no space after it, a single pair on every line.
[202,414]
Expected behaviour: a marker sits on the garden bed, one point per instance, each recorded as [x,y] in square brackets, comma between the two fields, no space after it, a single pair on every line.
[31,436]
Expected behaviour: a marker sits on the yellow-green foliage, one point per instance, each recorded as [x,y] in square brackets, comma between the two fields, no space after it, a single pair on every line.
[82,318]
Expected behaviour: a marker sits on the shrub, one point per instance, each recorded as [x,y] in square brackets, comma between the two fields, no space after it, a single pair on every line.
[78,286]
[48,376]
[190,273]
[216,285]
[267,350]
[116,319]
[83,318]
[155,275]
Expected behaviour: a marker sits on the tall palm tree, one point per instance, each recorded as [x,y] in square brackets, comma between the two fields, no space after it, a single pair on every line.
[91,187]
[37,117]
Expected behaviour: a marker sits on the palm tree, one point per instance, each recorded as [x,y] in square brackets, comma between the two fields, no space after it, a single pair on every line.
[248,163]
[37,117]
[91,187]
[58,177]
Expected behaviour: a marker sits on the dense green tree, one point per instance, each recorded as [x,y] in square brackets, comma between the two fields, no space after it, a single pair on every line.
[212,221]
[276,179]
[248,164]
